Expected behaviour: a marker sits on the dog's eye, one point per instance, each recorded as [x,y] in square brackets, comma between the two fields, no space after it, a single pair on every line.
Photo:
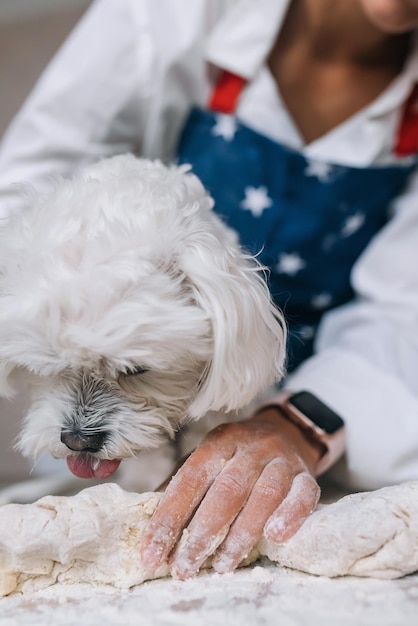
[135,371]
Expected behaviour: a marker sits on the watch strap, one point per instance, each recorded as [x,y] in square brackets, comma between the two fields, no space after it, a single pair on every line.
[318,422]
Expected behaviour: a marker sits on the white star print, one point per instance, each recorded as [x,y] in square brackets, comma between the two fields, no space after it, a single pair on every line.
[290,263]
[306,332]
[352,224]
[321,301]
[321,171]
[226,127]
[256,200]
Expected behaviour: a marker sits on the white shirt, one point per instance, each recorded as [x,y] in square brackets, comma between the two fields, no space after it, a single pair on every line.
[125,80]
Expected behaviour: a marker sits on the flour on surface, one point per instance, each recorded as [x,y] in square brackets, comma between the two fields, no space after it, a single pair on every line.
[95,537]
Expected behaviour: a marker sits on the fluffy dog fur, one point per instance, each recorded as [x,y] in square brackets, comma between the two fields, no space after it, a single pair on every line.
[130,308]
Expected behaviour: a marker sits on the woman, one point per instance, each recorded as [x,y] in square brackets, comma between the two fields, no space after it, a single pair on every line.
[300,118]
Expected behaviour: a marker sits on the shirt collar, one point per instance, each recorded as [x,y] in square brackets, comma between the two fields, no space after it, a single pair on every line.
[400,88]
[242,39]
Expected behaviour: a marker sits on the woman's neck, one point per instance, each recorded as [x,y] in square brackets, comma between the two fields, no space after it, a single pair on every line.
[330,61]
[339,31]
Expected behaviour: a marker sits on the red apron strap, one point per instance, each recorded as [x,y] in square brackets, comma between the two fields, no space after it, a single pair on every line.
[227,92]
[407,140]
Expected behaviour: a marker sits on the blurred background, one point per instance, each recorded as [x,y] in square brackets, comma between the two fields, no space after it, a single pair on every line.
[30,33]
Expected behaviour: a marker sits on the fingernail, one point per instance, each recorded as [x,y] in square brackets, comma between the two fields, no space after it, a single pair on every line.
[223,564]
[151,556]
[183,570]
[275,528]
[183,564]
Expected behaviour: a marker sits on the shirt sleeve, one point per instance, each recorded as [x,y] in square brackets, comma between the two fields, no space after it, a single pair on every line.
[89,103]
[366,361]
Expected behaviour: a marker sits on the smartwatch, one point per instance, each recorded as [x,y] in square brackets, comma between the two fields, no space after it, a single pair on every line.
[318,423]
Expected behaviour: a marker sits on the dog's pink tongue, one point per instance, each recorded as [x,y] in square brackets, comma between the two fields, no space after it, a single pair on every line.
[88,467]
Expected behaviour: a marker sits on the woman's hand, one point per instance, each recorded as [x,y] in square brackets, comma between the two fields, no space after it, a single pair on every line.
[244,479]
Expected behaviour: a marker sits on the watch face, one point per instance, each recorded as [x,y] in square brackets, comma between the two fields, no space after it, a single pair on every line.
[317,411]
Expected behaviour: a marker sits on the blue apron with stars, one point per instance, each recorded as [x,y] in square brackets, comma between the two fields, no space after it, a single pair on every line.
[308,222]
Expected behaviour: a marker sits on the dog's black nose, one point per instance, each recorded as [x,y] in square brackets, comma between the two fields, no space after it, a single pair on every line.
[82,442]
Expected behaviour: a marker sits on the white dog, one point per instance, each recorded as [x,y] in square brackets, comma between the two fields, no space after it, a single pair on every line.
[130,308]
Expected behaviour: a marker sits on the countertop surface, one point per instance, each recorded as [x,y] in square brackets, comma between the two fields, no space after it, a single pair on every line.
[261,594]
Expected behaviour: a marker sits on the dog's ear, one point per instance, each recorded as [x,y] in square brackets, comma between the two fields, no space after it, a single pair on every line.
[10,333]
[6,388]
[249,333]
[15,350]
